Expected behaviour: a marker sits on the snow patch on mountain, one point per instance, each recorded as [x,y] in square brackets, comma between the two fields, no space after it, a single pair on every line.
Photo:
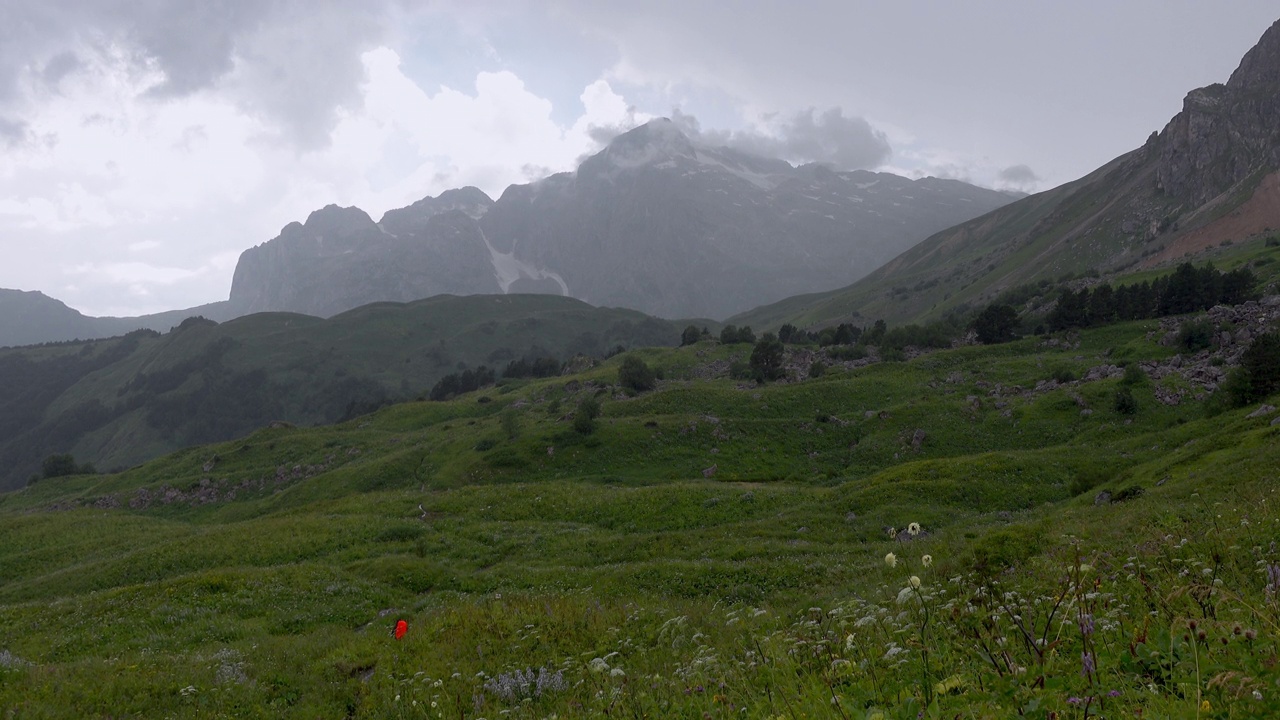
[508,268]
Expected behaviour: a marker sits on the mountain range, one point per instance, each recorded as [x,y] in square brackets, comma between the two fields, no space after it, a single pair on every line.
[656,222]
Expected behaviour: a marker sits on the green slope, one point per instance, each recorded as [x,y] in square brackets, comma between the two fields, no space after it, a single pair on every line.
[118,402]
[261,577]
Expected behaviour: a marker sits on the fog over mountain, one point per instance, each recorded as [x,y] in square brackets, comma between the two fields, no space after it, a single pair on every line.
[657,221]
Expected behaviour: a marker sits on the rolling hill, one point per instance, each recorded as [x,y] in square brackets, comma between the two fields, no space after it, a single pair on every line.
[120,401]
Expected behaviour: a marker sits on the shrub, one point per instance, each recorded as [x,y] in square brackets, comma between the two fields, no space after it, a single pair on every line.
[1133,375]
[1125,403]
[766,358]
[1063,375]
[739,370]
[848,352]
[635,375]
[1261,364]
[690,336]
[63,465]
[734,335]
[892,354]
[1195,335]
[817,369]
[996,324]
[584,419]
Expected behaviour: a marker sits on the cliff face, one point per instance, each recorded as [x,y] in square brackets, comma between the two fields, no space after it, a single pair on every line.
[340,259]
[1225,133]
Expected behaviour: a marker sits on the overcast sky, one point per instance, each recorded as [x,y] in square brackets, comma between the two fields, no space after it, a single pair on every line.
[145,143]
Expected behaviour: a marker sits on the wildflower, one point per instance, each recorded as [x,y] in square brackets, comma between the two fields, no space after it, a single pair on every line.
[1257,694]
[927,560]
[891,532]
[913,529]
[1086,624]
[891,560]
[1205,706]
[1087,664]
[915,581]
[597,665]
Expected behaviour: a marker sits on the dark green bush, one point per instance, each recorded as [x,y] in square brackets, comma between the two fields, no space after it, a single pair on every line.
[1125,403]
[1195,335]
[1063,375]
[584,419]
[635,375]
[1133,375]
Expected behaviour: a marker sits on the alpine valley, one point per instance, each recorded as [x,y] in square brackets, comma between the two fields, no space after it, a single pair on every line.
[1027,468]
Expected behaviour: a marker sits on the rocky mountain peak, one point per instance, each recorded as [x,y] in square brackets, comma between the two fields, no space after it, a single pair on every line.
[1260,68]
[332,219]
[655,141]
[470,201]
[1225,133]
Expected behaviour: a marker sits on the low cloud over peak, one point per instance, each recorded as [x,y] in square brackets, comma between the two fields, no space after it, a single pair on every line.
[1019,177]
[828,137]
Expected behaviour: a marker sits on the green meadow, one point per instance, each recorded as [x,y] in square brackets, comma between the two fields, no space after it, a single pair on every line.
[893,540]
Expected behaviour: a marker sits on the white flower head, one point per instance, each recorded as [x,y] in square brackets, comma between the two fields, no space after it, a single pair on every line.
[891,560]
[915,581]
[927,560]
[913,529]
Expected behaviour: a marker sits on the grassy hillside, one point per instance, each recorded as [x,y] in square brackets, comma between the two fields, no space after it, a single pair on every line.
[121,401]
[1116,220]
[713,549]
[968,267]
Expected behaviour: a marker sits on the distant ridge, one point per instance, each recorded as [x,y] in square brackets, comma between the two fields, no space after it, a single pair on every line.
[31,317]
[1208,178]
[655,221]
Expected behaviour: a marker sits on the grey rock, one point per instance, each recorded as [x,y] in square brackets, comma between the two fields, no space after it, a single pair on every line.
[1261,411]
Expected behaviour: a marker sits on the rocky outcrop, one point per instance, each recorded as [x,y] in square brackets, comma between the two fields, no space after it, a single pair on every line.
[340,259]
[1225,133]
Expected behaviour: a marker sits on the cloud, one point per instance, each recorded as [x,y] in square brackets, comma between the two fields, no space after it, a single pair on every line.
[295,65]
[828,137]
[1020,177]
[58,67]
[13,132]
